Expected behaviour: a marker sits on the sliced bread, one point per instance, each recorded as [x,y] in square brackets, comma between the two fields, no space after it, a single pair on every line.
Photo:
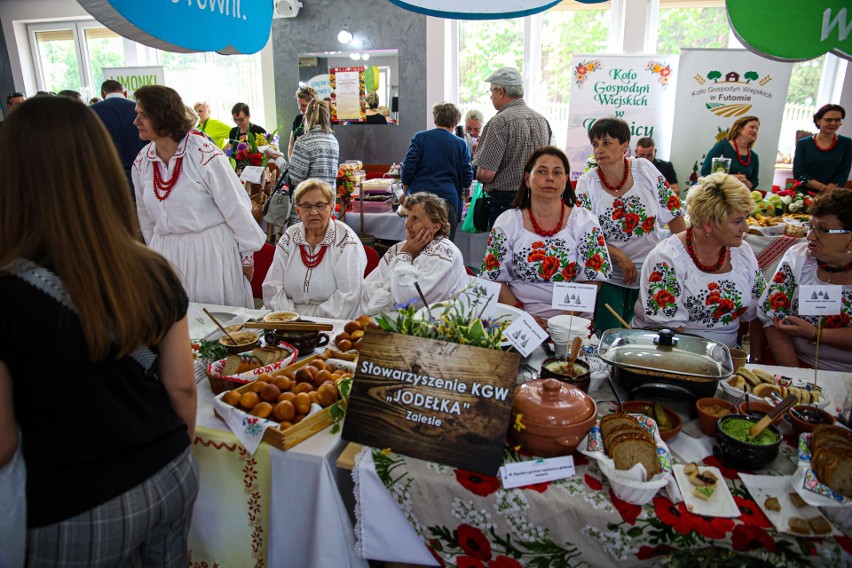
[628,451]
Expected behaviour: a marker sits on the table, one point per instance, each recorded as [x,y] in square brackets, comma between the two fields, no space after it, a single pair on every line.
[390,226]
[431,511]
[273,508]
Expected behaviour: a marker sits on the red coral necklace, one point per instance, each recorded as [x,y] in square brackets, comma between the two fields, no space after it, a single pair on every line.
[703,267]
[742,162]
[834,269]
[163,189]
[539,231]
[617,188]
[311,260]
[830,147]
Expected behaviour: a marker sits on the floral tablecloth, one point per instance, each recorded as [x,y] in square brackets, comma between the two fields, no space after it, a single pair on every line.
[467,520]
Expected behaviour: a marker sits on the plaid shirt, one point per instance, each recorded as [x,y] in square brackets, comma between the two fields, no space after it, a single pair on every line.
[507,141]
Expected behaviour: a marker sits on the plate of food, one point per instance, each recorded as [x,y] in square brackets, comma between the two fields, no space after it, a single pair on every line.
[704,491]
[762,384]
[785,508]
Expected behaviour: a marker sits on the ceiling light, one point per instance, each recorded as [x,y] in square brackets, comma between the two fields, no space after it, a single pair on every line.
[345,36]
[355,56]
[365,56]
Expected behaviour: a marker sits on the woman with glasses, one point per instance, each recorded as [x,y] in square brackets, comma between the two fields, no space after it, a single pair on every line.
[745,165]
[192,208]
[825,259]
[703,280]
[426,257]
[319,263]
[632,201]
[822,161]
[544,239]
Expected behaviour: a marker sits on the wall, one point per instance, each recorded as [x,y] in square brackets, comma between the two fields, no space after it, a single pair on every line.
[7,84]
[383,26]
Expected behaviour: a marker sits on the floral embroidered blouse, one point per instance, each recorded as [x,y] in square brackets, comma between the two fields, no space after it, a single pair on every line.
[781,298]
[631,221]
[674,293]
[529,263]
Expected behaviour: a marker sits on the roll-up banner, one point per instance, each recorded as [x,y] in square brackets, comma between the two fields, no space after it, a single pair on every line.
[715,88]
[636,88]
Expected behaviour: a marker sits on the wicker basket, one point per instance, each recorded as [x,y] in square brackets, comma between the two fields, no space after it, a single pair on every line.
[221,383]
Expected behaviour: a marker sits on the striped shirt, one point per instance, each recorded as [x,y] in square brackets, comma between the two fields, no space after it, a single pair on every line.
[315,155]
[507,141]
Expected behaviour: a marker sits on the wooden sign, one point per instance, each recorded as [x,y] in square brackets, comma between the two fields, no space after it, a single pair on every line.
[433,400]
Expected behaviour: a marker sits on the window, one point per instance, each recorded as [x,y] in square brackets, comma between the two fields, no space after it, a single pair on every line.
[692,24]
[801,105]
[57,58]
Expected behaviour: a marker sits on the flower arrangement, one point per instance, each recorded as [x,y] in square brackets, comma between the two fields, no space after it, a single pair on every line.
[794,198]
[249,149]
[346,182]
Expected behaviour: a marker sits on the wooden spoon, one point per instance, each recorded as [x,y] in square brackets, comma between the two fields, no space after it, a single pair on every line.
[782,407]
[575,350]
[219,325]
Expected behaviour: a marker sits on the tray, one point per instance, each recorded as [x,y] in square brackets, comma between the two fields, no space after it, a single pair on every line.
[721,503]
[762,487]
[373,206]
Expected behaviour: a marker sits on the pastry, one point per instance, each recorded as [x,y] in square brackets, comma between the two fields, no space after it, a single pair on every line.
[772,504]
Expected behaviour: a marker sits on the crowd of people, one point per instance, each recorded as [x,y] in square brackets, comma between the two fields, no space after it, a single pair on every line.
[110,284]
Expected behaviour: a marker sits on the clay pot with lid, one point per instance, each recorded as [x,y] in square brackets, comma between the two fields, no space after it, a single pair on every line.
[555,416]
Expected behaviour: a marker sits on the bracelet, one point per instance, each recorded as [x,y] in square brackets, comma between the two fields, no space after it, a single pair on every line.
[519,304]
[815,337]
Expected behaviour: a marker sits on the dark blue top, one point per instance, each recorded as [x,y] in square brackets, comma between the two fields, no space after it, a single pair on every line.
[118,114]
[724,149]
[438,162]
[833,166]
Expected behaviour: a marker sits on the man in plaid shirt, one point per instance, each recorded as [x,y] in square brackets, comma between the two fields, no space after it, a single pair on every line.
[507,140]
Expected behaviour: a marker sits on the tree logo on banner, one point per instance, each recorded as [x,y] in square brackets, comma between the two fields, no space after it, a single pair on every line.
[731,94]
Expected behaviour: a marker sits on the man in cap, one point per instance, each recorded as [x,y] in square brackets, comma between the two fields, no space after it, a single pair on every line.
[117,113]
[645,149]
[507,140]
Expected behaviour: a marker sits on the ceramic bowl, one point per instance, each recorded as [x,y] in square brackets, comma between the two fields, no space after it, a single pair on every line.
[303,340]
[246,341]
[709,411]
[759,408]
[742,454]
[640,406]
[280,317]
[806,418]
[557,367]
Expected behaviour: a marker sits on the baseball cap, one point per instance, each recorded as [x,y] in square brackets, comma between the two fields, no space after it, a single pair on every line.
[508,76]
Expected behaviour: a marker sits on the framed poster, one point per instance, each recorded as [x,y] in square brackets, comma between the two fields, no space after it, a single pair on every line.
[348,89]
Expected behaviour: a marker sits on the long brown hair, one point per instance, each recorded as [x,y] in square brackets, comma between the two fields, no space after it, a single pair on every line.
[522,197]
[738,126]
[65,203]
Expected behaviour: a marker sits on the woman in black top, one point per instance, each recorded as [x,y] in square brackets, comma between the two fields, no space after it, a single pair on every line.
[95,362]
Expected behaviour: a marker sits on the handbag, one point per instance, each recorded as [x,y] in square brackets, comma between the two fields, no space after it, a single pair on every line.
[476,220]
[277,209]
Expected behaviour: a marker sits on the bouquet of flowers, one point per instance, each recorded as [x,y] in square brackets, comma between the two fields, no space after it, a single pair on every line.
[249,150]
[346,182]
[794,198]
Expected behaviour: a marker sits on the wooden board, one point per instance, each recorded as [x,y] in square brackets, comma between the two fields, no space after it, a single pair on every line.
[432,400]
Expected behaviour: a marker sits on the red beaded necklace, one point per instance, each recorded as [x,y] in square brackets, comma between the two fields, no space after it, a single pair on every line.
[539,231]
[742,162]
[830,148]
[163,189]
[617,188]
[703,267]
[311,260]
[833,269]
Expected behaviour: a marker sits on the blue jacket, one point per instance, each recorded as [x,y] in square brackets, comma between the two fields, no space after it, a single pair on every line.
[438,162]
[118,114]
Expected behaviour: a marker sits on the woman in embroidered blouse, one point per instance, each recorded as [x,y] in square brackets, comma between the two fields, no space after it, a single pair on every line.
[192,208]
[632,201]
[703,280]
[427,257]
[318,268]
[544,239]
[822,161]
[825,259]
[745,165]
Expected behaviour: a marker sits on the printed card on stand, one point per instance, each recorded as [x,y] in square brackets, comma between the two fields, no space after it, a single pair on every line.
[536,471]
[252,174]
[482,296]
[574,297]
[819,300]
[525,334]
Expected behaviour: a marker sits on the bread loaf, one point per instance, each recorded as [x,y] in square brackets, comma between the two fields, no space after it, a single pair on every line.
[831,458]
[629,450]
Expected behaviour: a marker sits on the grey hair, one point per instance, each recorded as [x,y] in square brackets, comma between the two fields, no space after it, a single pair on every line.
[313,183]
[512,91]
[434,207]
[474,114]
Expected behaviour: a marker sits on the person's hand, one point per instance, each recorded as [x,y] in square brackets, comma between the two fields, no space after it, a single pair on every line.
[744,180]
[270,152]
[248,272]
[794,327]
[830,187]
[414,246]
[628,268]
[541,321]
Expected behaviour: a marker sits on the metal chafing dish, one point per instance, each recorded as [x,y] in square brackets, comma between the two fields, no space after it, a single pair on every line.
[668,363]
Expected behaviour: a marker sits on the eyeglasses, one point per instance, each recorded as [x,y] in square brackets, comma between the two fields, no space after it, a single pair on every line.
[822,231]
[318,207]
[838,120]
[493,90]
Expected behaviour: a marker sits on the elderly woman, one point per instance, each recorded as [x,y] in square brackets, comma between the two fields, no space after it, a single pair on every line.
[319,263]
[438,161]
[371,111]
[825,259]
[544,239]
[215,129]
[738,148]
[632,201]
[703,281]
[304,95]
[473,128]
[822,161]
[426,257]
[192,208]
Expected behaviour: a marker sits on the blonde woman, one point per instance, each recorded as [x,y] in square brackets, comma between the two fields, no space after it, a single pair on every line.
[745,165]
[215,129]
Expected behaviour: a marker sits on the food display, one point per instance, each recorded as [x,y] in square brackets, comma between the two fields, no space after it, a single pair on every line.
[627,443]
[831,458]
[738,428]
[763,384]
[558,368]
[240,341]
[353,332]
[703,481]
[258,357]
[736,446]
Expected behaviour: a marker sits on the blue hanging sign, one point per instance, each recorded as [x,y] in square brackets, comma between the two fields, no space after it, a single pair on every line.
[226,26]
[478,9]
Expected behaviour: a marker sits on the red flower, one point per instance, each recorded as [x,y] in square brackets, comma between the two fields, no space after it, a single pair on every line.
[779,301]
[672,515]
[738,312]
[845,542]
[540,487]
[473,542]
[468,562]
[666,71]
[433,548]
[713,298]
[725,306]
[664,298]
[646,552]
[631,221]
[617,214]
[779,277]
[504,562]
[477,483]
[536,256]
[727,472]
[837,321]
[715,527]
[713,286]
[656,276]
[569,271]
[673,202]
[581,70]
[648,224]
[600,240]
[595,263]
[746,537]
[628,511]
[593,482]
[751,513]
[618,204]
[491,262]
[538,245]
[549,267]
[255,159]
